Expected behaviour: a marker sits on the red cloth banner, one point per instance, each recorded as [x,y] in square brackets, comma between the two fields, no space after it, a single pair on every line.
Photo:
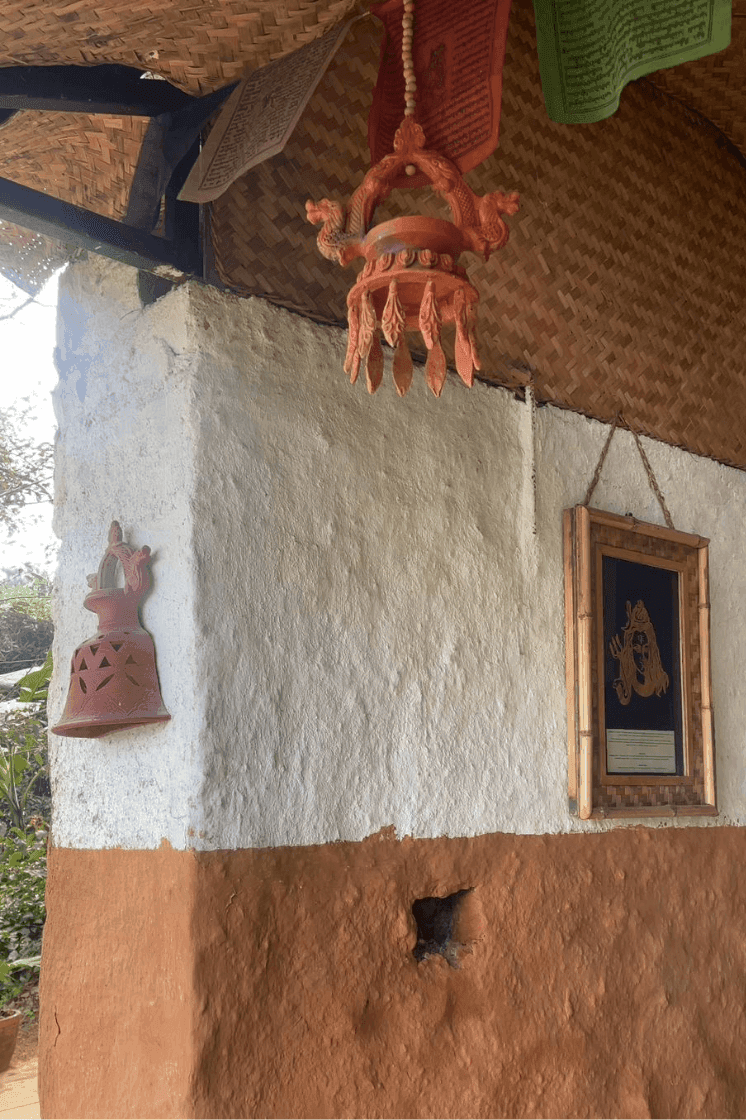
[459,49]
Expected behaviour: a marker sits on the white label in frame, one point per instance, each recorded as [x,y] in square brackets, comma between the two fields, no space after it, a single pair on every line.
[640,752]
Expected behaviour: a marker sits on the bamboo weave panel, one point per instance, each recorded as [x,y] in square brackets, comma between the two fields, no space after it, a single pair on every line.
[715,85]
[198,45]
[81,158]
[621,286]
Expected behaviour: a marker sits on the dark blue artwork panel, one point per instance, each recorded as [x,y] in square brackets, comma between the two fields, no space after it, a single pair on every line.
[642,668]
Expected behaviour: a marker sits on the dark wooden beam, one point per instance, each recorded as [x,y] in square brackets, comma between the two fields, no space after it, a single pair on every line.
[72,225]
[185,220]
[170,147]
[169,138]
[88,89]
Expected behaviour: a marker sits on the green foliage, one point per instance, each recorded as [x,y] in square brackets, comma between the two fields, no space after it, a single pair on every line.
[26,467]
[24,805]
[35,685]
[23,765]
[32,598]
[26,629]
[23,870]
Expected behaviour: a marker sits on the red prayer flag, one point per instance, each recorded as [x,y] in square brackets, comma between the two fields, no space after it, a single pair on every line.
[458,54]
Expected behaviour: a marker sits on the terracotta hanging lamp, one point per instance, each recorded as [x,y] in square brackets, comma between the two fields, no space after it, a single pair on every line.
[411,279]
[113,678]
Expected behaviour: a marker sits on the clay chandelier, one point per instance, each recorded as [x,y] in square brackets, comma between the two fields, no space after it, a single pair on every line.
[411,279]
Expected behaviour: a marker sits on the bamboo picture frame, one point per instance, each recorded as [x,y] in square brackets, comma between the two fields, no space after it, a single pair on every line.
[639,696]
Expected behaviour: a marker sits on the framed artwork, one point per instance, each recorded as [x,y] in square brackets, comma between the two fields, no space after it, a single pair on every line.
[637,624]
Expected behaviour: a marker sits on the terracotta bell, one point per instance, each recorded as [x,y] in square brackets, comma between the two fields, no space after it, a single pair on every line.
[113,678]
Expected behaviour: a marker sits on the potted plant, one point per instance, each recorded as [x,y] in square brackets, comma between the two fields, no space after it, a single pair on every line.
[9,1024]
[10,1021]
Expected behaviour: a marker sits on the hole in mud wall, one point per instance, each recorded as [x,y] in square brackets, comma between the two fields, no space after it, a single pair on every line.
[438,927]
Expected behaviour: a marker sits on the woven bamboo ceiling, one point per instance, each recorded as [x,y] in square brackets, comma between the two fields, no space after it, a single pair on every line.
[202,45]
[622,285]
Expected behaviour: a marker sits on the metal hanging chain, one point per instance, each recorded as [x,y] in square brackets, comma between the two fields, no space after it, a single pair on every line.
[645,462]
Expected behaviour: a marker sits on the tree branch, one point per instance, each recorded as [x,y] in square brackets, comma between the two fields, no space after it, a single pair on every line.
[15,310]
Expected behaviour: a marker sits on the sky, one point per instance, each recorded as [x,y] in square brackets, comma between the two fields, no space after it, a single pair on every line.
[27,376]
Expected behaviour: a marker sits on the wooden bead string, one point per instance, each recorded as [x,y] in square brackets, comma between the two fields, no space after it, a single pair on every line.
[410,82]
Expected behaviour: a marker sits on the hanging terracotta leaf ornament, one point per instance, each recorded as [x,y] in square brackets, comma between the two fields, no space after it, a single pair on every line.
[393,323]
[411,278]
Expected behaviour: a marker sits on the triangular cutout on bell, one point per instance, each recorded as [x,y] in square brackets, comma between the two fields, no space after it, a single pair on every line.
[94,650]
[104,663]
[82,665]
[130,660]
[116,646]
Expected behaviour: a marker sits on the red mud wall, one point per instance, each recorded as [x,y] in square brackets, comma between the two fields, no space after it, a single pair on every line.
[117,989]
[607,977]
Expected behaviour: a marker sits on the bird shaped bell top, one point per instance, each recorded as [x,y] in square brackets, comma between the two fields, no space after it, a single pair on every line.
[113,676]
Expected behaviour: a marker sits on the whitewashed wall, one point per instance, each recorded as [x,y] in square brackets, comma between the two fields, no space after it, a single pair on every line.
[358,601]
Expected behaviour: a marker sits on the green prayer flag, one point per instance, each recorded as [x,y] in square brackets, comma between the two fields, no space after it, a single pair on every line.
[590,49]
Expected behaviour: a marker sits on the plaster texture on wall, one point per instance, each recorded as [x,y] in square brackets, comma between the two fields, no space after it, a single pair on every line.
[124,411]
[358,604]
